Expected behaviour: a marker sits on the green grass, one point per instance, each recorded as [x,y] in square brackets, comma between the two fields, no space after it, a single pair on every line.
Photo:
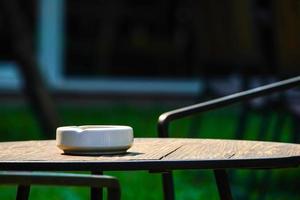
[18,123]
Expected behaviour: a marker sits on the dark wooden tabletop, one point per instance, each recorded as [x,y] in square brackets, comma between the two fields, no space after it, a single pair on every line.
[157,154]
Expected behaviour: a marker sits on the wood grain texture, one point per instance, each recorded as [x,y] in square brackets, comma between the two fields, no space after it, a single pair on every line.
[208,149]
[143,149]
[163,149]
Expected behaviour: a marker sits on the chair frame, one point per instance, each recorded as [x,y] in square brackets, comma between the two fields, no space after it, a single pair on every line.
[25,179]
[220,175]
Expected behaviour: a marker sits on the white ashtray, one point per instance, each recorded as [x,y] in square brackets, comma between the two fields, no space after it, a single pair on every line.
[94,139]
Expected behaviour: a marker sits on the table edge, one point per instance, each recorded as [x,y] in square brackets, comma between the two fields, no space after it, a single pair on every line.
[152,165]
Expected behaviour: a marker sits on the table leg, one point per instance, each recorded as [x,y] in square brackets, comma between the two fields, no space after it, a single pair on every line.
[23,192]
[97,193]
[223,184]
[168,186]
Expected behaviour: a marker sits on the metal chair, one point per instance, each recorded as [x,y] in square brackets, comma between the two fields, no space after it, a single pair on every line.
[220,175]
[25,179]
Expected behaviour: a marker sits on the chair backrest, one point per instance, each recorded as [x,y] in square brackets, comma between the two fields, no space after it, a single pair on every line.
[166,118]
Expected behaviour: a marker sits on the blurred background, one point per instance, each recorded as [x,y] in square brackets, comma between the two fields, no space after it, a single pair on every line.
[77,62]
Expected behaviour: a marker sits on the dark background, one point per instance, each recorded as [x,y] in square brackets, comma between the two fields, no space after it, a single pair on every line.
[174,38]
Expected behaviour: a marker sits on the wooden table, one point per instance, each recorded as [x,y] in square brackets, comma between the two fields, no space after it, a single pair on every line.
[153,154]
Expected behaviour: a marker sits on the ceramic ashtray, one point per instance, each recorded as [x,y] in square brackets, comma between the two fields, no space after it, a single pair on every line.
[94,139]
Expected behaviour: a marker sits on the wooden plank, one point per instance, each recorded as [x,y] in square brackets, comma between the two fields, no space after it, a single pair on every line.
[207,149]
[154,149]
[143,149]
[203,149]
[150,149]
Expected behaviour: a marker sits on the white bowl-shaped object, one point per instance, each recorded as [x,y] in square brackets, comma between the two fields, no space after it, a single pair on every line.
[94,139]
